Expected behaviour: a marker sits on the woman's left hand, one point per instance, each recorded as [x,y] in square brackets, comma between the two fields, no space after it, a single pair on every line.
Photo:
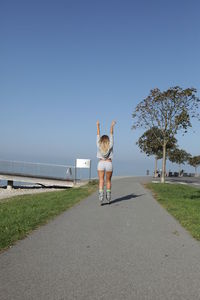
[113,123]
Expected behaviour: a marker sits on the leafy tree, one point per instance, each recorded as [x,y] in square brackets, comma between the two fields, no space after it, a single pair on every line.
[151,144]
[178,156]
[170,111]
[195,162]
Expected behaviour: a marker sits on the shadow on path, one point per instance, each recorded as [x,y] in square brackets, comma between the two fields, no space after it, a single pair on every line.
[124,198]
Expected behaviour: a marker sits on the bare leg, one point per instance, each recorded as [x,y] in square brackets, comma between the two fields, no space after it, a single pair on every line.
[108,186]
[101,179]
[108,180]
[101,186]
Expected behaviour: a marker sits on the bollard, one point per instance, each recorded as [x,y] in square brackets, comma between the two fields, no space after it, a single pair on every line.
[10,185]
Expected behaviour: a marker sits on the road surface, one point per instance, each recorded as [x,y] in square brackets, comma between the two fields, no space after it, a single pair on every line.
[131,249]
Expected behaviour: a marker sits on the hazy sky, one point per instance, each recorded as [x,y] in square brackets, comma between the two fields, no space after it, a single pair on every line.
[65,64]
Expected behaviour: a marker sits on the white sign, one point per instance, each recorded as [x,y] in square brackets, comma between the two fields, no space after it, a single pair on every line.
[83,163]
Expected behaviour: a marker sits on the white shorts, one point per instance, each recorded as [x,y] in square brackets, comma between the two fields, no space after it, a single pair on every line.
[105,165]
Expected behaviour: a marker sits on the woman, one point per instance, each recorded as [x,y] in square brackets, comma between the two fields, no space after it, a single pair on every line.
[105,154]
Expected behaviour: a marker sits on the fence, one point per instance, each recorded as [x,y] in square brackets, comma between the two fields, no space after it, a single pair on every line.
[38,170]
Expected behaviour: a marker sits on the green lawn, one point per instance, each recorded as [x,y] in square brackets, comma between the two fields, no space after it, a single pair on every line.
[182,201]
[21,214]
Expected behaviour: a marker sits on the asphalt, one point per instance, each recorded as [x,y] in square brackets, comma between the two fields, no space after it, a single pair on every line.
[130,249]
[192,181]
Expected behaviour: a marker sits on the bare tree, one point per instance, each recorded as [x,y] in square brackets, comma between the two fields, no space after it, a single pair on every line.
[170,111]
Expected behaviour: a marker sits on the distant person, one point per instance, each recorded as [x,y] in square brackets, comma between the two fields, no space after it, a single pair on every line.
[105,155]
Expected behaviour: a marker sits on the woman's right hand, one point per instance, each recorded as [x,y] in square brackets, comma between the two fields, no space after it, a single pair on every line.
[98,123]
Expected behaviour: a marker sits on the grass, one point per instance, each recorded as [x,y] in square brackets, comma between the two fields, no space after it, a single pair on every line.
[20,215]
[183,202]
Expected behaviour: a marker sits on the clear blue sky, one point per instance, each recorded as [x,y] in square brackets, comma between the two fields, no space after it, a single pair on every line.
[65,64]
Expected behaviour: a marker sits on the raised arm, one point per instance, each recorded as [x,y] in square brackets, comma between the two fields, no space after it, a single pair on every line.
[112,126]
[98,128]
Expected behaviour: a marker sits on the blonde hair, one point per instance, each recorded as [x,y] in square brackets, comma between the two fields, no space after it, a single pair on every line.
[104,144]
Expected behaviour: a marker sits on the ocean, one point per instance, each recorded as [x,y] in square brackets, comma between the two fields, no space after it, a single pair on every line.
[67,172]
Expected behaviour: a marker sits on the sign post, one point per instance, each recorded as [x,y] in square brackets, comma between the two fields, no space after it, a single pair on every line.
[75,173]
[90,170]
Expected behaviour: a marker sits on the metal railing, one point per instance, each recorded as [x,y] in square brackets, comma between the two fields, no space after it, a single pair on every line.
[38,170]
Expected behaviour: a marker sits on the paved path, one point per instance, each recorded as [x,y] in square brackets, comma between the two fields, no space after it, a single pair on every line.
[192,181]
[132,249]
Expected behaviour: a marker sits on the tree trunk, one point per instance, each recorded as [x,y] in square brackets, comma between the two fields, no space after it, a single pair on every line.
[179,166]
[163,164]
[156,167]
